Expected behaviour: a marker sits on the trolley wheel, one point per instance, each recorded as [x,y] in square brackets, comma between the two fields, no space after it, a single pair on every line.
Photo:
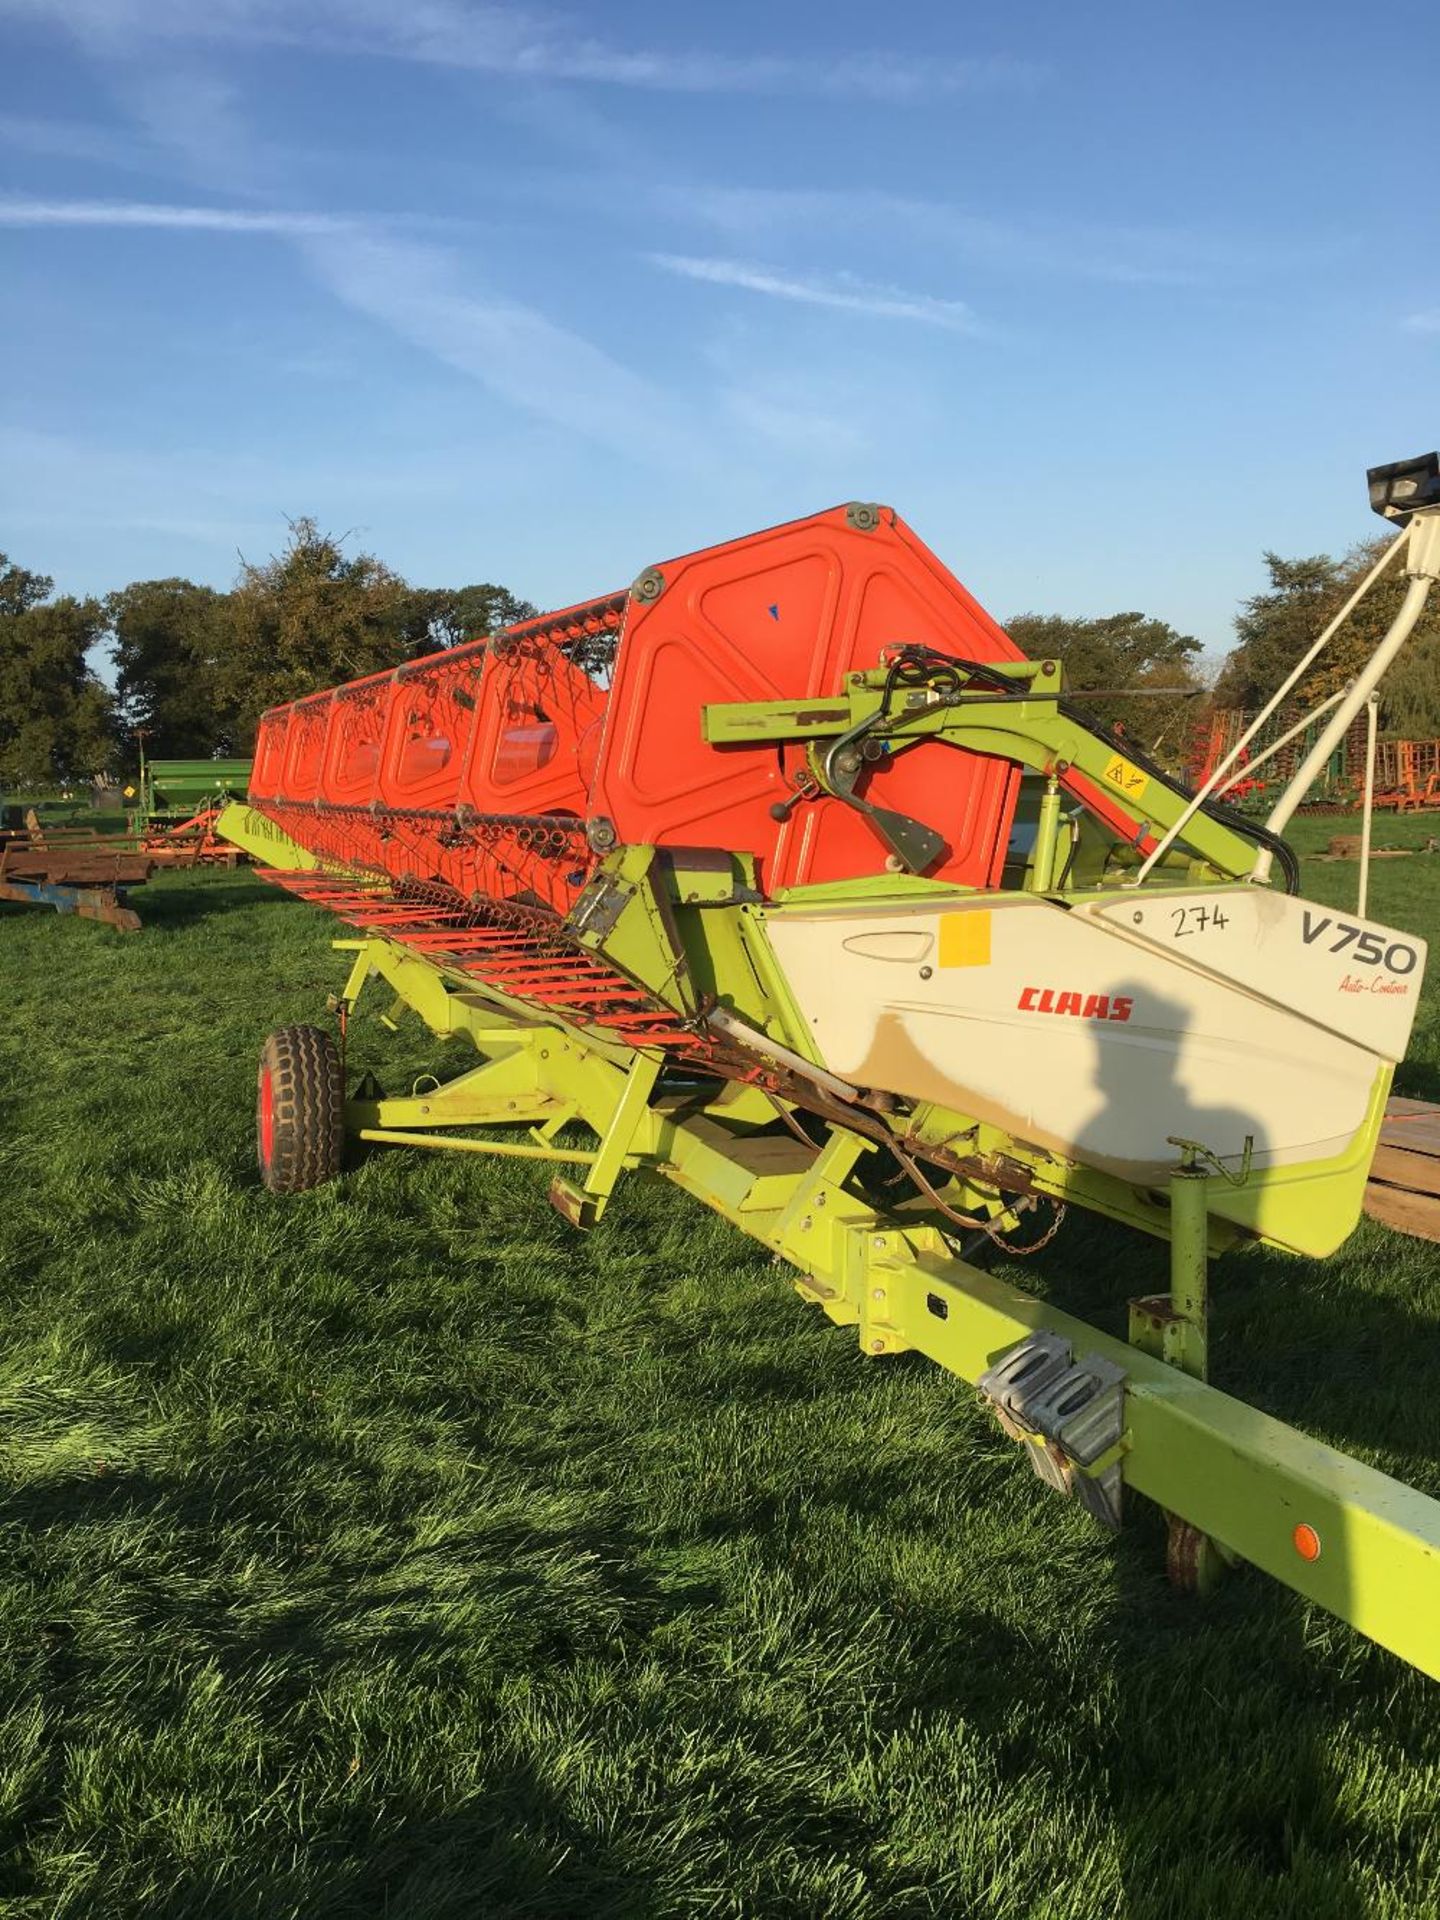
[1193,1562]
[299,1109]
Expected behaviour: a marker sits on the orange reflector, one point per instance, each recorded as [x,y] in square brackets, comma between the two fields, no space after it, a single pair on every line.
[1307,1541]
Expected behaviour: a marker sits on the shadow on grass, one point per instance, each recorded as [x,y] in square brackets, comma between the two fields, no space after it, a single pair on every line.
[1142,1724]
[1342,1359]
[1347,1348]
[1201,1743]
[203,897]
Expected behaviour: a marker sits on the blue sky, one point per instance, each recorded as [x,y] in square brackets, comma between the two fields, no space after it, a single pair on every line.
[1104,299]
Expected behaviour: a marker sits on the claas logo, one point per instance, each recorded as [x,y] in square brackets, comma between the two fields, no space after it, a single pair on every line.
[1080,1006]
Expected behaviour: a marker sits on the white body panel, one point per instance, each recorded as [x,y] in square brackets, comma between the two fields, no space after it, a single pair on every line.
[1094,1038]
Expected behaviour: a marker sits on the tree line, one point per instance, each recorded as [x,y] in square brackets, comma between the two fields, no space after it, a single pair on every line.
[195,667]
[1274,629]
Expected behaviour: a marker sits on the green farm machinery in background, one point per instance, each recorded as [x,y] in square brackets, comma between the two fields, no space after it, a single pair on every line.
[174,807]
[171,795]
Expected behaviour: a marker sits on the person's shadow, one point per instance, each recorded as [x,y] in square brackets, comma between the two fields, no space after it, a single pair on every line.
[1160,1077]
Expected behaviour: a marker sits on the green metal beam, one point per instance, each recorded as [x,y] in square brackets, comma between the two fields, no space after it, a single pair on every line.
[1239,1476]
[262,839]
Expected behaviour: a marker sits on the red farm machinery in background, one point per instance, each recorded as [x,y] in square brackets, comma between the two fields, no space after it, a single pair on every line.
[1407,772]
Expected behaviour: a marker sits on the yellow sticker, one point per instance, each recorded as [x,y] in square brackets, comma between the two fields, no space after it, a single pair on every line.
[965,939]
[1124,778]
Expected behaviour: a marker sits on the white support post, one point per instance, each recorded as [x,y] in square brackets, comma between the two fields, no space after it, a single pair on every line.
[1372,721]
[1422,564]
[1222,767]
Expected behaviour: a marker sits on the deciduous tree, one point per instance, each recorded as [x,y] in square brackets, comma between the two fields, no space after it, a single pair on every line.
[56,718]
[171,640]
[1118,651]
[458,614]
[314,615]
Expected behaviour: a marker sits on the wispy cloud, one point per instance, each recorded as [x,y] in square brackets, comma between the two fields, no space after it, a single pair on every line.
[761,409]
[1427,322]
[1024,245]
[524,42]
[844,291]
[140,213]
[422,293]
[427,294]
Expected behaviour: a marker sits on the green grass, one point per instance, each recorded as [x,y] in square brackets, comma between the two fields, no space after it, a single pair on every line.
[395,1551]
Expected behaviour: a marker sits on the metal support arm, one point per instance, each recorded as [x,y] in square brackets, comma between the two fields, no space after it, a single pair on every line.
[1424,554]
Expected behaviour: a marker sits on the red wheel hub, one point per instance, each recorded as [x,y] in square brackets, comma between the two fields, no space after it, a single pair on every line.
[265,1114]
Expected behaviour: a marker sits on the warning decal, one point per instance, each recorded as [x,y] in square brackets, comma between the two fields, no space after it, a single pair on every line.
[1124,778]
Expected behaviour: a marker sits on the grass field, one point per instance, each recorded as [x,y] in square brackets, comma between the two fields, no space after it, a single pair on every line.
[395,1551]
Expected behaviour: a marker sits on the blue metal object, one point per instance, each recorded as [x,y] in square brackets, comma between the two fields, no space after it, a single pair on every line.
[90,903]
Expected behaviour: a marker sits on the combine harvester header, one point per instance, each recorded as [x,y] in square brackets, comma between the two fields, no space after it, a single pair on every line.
[792,879]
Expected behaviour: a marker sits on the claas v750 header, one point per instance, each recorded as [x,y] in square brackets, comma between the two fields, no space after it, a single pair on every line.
[788,876]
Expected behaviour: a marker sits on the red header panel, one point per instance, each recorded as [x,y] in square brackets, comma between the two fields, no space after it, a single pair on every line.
[305,746]
[267,770]
[787,614]
[358,722]
[537,734]
[431,718]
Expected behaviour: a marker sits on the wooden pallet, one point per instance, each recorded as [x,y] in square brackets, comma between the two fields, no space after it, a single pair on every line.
[1404,1189]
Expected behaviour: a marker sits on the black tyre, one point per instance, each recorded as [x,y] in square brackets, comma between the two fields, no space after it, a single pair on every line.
[299,1110]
